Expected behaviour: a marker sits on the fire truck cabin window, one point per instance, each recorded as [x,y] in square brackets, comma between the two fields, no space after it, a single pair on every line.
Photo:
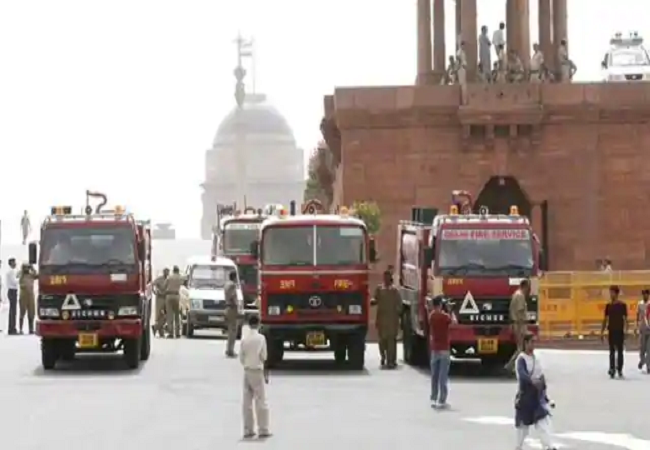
[88,249]
[238,237]
[294,246]
[209,276]
[490,252]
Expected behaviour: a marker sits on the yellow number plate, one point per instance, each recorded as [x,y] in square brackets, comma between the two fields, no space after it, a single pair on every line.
[488,346]
[342,284]
[315,339]
[88,340]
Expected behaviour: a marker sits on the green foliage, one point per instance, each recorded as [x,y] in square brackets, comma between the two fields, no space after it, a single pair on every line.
[368,212]
[313,189]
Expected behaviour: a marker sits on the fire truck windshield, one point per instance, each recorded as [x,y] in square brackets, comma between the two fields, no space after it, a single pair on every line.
[336,245]
[493,252]
[87,250]
[238,237]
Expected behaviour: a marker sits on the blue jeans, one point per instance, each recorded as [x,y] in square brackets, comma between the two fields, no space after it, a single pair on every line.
[440,362]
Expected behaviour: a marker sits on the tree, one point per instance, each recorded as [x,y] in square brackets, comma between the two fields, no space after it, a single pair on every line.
[370,213]
[320,175]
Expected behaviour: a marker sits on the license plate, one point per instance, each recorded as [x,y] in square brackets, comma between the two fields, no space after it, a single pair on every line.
[214,319]
[488,346]
[88,340]
[315,339]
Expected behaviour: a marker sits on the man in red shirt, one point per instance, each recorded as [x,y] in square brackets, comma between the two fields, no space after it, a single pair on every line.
[439,323]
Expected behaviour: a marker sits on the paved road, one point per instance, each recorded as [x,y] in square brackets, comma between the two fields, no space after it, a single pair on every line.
[187,396]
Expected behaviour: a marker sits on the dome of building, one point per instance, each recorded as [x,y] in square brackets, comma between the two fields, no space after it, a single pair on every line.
[256,117]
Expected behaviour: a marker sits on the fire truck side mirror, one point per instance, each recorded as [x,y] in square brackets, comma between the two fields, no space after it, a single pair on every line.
[372,250]
[33,252]
[255,249]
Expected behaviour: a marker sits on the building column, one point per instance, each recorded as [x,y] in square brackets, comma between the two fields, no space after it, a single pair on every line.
[560,28]
[469,34]
[518,28]
[439,44]
[459,24]
[545,39]
[424,40]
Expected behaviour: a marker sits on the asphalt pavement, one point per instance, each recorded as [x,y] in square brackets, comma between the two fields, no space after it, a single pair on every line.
[188,396]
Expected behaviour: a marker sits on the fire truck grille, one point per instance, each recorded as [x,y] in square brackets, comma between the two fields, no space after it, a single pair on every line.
[315,302]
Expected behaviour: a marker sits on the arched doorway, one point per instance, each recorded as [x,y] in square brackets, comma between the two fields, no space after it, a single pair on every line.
[500,193]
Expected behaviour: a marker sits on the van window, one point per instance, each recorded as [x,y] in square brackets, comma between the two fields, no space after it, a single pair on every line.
[209,276]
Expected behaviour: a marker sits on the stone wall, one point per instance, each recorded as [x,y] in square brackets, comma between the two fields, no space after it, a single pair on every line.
[581,147]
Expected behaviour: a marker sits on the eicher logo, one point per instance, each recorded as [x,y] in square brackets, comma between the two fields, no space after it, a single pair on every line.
[470,309]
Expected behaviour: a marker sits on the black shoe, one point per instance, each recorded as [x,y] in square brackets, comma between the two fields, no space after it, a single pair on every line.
[640,365]
[12,333]
[249,435]
[620,373]
[611,374]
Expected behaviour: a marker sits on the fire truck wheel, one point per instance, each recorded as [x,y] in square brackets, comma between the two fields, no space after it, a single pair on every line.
[414,347]
[357,351]
[132,349]
[145,350]
[189,329]
[49,353]
[67,350]
[340,352]
[275,352]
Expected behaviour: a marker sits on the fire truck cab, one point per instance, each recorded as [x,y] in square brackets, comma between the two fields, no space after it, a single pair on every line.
[476,261]
[314,283]
[94,276]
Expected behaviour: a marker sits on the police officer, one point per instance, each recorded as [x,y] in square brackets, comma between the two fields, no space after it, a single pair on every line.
[567,67]
[519,318]
[536,65]
[26,300]
[232,313]
[171,288]
[158,285]
[389,311]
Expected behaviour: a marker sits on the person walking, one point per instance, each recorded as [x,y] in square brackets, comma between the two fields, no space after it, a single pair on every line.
[253,356]
[643,329]
[158,286]
[439,344]
[171,288]
[532,406]
[615,321]
[11,283]
[387,320]
[27,297]
[519,319]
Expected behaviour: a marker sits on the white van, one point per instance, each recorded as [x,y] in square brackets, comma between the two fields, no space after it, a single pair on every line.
[203,299]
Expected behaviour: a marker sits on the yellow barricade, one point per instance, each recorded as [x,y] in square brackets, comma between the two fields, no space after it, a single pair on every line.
[572,304]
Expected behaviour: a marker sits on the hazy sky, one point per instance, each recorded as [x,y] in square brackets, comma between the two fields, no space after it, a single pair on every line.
[125,96]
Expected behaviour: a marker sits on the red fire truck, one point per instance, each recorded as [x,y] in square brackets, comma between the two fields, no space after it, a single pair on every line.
[234,238]
[476,261]
[94,273]
[314,283]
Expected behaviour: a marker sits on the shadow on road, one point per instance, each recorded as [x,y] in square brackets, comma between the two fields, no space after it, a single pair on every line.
[84,365]
[471,371]
[315,367]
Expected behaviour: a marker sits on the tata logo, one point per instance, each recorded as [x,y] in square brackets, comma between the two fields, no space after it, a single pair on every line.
[315,301]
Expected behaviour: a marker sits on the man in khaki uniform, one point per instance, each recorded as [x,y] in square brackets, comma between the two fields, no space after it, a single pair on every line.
[502,70]
[232,313]
[519,318]
[567,67]
[171,288]
[389,311]
[158,285]
[26,298]
[536,64]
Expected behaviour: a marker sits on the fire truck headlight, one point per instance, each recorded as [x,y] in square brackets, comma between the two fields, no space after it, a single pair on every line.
[127,311]
[274,310]
[532,316]
[354,309]
[65,315]
[48,312]
[289,309]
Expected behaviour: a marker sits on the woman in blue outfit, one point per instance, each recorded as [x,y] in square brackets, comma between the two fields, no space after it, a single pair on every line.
[531,404]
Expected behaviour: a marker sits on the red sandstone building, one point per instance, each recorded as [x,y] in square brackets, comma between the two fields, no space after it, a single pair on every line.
[571,156]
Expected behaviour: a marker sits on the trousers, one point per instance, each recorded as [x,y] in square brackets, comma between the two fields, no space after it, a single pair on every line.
[255,397]
[388,349]
[27,308]
[232,324]
[616,341]
[173,313]
[544,430]
[644,348]
[12,296]
[440,363]
[160,314]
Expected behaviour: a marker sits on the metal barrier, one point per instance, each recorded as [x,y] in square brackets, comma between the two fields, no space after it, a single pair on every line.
[572,304]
